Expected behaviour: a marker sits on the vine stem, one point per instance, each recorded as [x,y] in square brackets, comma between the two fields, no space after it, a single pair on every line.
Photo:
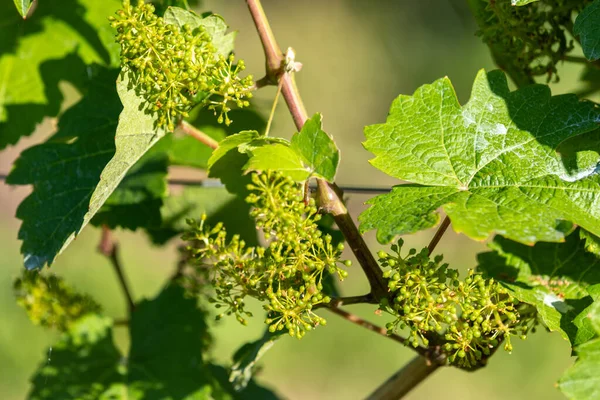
[438,234]
[109,247]
[406,379]
[198,134]
[330,195]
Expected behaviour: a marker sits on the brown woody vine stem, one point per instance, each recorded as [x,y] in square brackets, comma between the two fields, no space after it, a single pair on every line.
[438,235]
[406,379]
[109,248]
[331,200]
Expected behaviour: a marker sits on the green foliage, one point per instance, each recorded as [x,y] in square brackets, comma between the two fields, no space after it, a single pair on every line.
[492,164]
[581,381]
[587,26]
[166,359]
[468,319]
[179,61]
[287,274]
[30,68]
[49,301]
[560,279]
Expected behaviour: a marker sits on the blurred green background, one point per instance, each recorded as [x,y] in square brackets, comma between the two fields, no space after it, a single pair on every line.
[357,55]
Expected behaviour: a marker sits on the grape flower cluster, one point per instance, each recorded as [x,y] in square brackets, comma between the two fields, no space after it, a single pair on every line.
[287,274]
[531,38]
[175,68]
[50,302]
[467,318]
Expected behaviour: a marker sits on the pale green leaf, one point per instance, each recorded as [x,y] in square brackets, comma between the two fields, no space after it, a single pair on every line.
[317,150]
[582,380]
[277,157]
[214,25]
[587,27]
[491,164]
[560,279]
[23,7]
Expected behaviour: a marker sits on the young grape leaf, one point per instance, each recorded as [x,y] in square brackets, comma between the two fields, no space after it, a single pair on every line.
[277,157]
[214,25]
[30,68]
[84,364]
[582,380]
[317,150]
[23,7]
[560,279]
[72,179]
[587,27]
[492,164]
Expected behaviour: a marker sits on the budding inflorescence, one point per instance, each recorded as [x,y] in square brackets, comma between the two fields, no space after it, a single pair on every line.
[49,301]
[467,318]
[532,38]
[287,274]
[176,67]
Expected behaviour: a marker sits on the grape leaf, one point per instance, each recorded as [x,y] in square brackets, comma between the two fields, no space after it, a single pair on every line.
[84,364]
[587,27]
[166,359]
[214,25]
[317,150]
[492,164]
[560,279]
[277,157]
[72,178]
[582,380]
[23,7]
[29,73]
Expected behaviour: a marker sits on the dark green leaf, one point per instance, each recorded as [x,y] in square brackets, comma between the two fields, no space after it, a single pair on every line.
[587,27]
[65,170]
[560,279]
[492,164]
[70,184]
[317,150]
[84,364]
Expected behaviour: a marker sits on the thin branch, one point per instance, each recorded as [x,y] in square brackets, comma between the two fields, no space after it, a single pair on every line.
[110,249]
[355,319]
[273,54]
[198,134]
[360,299]
[575,59]
[406,379]
[438,235]
[262,82]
